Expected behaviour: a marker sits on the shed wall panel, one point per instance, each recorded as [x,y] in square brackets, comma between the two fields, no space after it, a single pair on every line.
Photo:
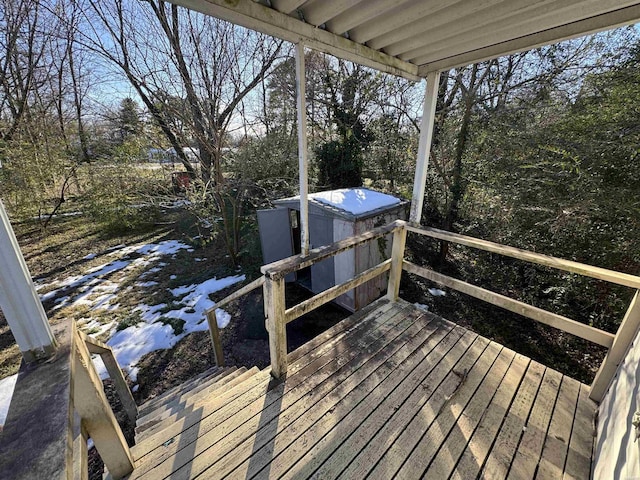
[320,234]
[345,261]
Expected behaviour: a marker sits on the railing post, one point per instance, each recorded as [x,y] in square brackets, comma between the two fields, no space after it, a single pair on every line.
[274,308]
[93,407]
[624,336]
[214,331]
[397,256]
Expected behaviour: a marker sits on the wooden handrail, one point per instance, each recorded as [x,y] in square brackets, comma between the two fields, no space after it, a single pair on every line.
[335,291]
[578,329]
[93,407]
[56,406]
[115,373]
[612,276]
[624,337]
[257,283]
[282,268]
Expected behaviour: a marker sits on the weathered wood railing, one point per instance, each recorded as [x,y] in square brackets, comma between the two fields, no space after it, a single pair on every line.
[278,316]
[57,406]
[617,344]
[274,292]
[214,331]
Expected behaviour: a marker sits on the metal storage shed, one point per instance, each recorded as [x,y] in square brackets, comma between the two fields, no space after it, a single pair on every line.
[333,215]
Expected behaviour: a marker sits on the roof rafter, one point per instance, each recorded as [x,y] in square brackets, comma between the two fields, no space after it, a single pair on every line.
[267,20]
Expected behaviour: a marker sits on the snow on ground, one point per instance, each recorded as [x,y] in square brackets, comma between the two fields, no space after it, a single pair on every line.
[6,391]
[355,200]
[99,287]
[436,292]
[132,343]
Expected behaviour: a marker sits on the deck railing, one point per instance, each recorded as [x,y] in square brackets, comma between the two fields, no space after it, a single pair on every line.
[57,405]
[277,316]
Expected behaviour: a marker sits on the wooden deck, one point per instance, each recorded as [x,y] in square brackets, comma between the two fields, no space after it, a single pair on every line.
[390,392]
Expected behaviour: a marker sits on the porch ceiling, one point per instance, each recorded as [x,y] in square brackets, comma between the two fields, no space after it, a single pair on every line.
[413,37]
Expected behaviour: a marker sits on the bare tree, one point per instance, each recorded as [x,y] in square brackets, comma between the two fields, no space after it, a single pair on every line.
[169,53]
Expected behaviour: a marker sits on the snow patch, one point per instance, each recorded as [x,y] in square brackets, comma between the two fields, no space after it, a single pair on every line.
[6,392]
[132,343]
[421,306]
[436,292]
[355,200]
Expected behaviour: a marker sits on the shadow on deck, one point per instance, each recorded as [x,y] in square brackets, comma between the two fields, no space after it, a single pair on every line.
[392,391]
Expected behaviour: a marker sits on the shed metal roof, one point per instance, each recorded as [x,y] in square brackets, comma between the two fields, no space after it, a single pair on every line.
[349,203]
[413,37]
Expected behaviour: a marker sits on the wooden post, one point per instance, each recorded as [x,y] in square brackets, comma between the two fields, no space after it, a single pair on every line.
[115,373]
[424,145]
[302,149]
[397,257]
[98,419]
[625,335]
[80,454]
[274,307]
[215,337]
[18,298]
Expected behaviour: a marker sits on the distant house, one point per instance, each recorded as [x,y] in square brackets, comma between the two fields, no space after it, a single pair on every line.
[169,155]
[158,155]
[192,154]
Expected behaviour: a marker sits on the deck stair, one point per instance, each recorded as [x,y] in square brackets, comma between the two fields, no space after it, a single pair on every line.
[214,386]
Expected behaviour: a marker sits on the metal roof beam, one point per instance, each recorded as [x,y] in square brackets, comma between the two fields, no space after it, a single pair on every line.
[498,31]
[321,11]
[267,20]
[286,6]
[361,13]
[606,21]
[402,24]
[474,20]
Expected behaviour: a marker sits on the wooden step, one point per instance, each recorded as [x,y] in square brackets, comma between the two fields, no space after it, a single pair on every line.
[222,397]
[182,398]
[152,402]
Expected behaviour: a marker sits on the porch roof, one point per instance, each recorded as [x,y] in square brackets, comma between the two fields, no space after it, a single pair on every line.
[410,38]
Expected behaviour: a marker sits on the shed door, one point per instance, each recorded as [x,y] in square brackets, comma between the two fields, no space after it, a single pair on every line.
[275,236]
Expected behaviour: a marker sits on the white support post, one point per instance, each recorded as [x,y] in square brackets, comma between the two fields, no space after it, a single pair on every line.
[302,149]
[18,298]
[424,145]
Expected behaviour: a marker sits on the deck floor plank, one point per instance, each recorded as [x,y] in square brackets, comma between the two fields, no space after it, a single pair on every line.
[466,448]
[390,392]
[527,457]
[506,444]
[259,429]
[556,445]
[578,465]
